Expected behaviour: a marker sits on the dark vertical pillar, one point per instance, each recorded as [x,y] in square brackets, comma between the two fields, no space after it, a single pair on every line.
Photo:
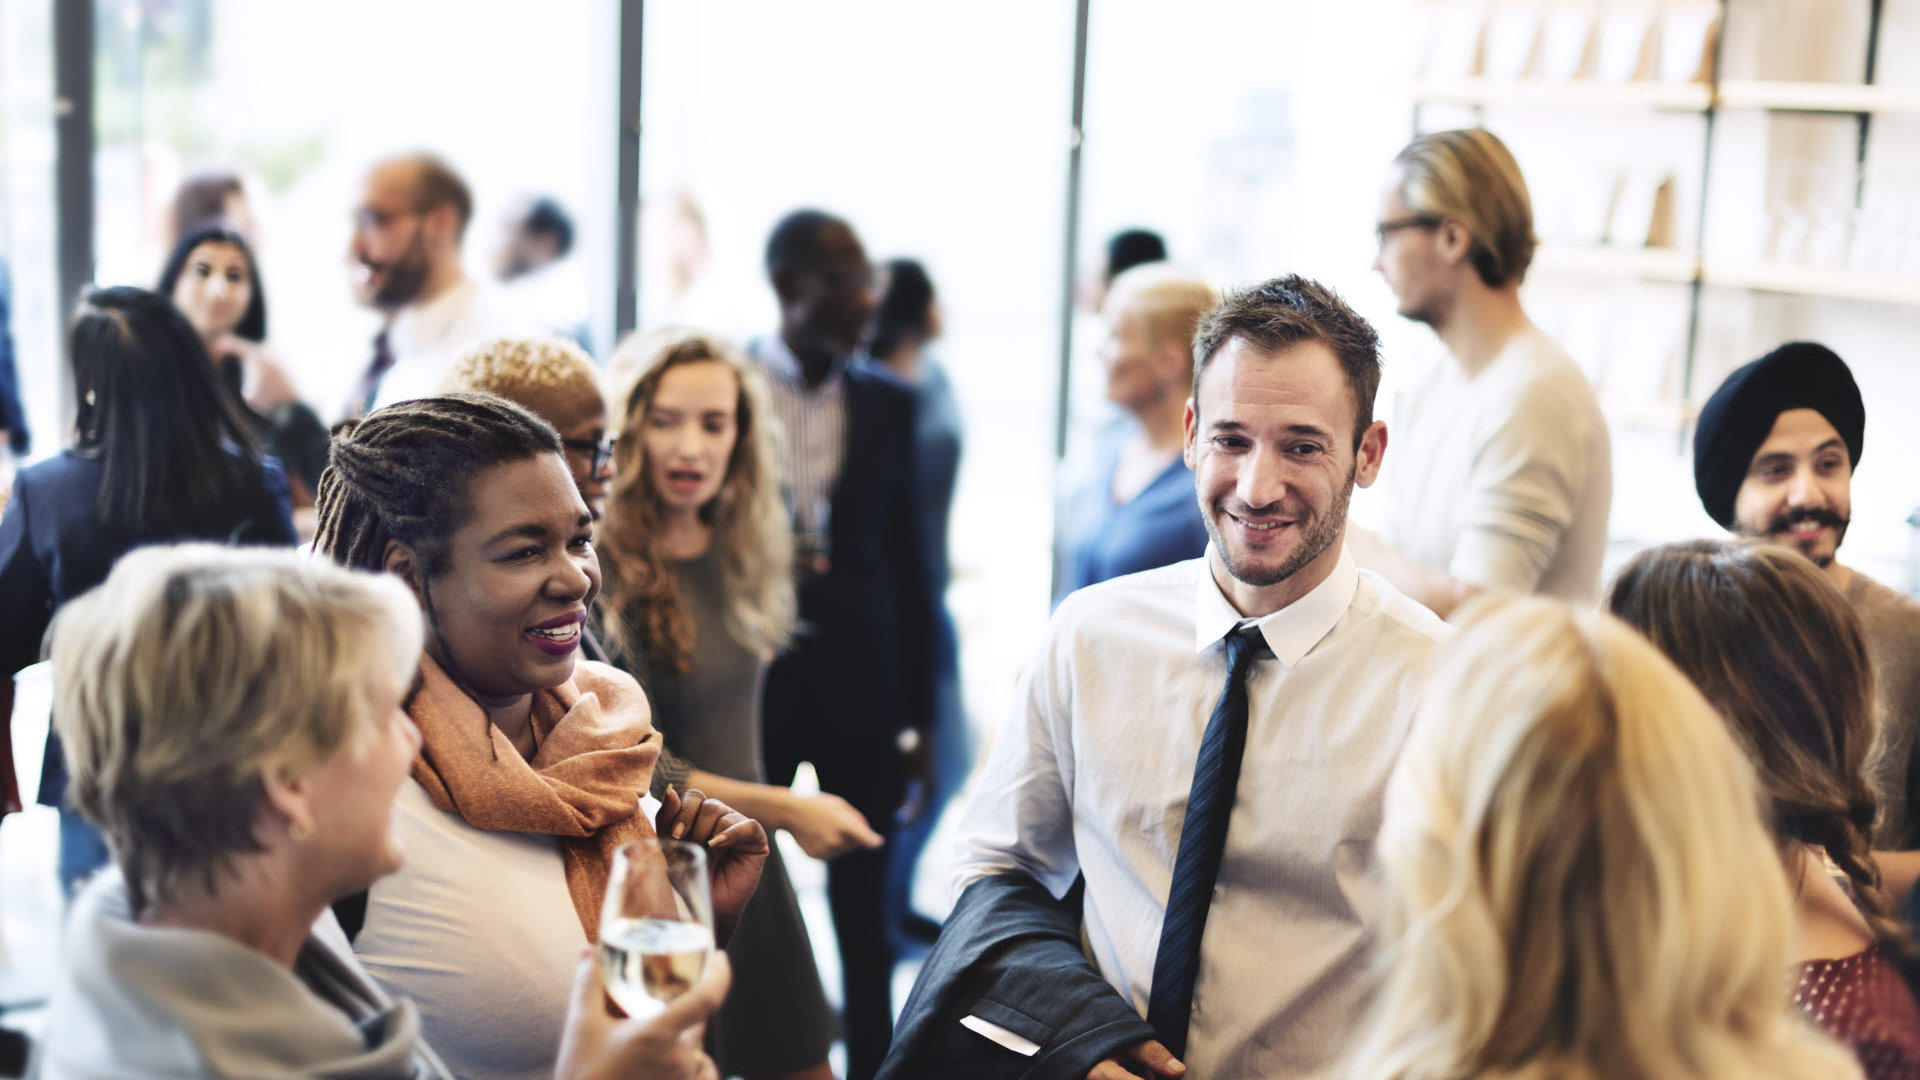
[73,143]
[1069,260]
[626,217]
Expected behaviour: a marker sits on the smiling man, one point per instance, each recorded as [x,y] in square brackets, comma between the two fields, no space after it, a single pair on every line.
[1773,457]
[403,260]
[1206,745]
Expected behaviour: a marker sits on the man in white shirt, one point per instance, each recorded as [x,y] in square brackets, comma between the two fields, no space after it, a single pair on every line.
[1100,772]
[1503,475]
[405,261]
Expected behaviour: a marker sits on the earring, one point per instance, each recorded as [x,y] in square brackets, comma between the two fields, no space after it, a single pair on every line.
[299,831]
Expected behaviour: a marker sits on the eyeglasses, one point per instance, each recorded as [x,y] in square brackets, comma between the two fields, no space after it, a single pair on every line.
[597,452]
[1417,221]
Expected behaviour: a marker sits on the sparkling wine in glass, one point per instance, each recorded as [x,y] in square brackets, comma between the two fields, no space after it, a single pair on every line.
[656,931]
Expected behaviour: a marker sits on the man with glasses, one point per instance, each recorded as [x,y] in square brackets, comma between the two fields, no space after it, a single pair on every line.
[1504,475]
[404,261]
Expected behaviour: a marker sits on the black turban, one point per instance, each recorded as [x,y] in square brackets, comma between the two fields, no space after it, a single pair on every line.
[1739,416]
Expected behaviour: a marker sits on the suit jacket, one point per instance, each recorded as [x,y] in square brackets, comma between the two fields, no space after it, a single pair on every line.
[1010,955]
[861,666]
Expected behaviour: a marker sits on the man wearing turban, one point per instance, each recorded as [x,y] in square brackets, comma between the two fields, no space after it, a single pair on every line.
[1773,457]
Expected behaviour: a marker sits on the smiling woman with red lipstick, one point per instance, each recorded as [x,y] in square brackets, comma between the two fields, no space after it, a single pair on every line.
[534,764]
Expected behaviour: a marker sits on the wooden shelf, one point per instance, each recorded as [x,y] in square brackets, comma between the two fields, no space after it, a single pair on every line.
[1663,415]
[1641,264]
[1809,281]
[1817,97]
[1679,97]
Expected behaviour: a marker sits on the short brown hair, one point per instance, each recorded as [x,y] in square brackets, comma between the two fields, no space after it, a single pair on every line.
[196,670]
[1289,311]
[1776,649]
[440,185]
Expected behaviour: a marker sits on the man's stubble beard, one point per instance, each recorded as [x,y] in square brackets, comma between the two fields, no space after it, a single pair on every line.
[1322,535]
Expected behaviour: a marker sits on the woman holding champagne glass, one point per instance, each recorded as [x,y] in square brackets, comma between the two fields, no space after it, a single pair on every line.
[534,765]
[233,722]
[699,596]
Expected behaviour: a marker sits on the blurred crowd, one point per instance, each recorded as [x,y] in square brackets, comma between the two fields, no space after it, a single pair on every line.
[364,709]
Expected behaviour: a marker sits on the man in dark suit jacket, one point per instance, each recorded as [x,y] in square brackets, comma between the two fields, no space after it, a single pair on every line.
[859,676]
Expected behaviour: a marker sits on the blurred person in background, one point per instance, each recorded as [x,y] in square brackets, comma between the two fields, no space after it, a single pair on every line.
[1773,458]
[1775,648]
[1125,250]
[532,765]
[1577,882]
[536,275]
[404,261]
[1135,510]
[161,453]
[235,724]
[212,197]
[698,599]
[906,322]
[212,277]
[1504,476]
[15,438]
[558,383]
[854,693]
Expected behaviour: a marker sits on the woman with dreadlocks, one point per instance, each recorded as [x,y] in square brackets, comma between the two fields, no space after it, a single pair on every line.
[534,764]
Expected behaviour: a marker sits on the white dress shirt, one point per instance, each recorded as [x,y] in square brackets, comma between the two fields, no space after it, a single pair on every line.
[1503,480]
[1091,773]
[427,338]
[813,439]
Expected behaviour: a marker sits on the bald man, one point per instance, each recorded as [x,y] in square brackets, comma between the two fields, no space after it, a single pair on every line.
[404,261]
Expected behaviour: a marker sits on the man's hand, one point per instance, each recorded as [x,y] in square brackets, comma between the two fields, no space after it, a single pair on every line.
[827,825]
[736,850]
[1149,1059]
[595,1046]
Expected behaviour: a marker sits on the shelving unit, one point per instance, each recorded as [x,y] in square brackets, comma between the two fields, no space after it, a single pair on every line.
[1669,97]
[1863,101]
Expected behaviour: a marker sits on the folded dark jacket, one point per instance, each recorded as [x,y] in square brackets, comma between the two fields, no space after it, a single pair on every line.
[1010,955]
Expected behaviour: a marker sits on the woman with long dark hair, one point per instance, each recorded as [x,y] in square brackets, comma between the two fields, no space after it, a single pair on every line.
[1779,653]
[160,453]
[211,276]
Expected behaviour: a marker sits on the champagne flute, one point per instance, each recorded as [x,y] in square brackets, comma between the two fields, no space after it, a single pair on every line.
[656,930]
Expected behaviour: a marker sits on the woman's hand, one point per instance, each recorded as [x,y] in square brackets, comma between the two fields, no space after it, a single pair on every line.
[736,849]
[595,1046]
[828,825]
[264,384]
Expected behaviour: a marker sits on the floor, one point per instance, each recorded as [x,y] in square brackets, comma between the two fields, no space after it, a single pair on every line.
[30,899]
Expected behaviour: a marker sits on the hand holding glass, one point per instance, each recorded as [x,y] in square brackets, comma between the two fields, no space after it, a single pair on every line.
[656,931]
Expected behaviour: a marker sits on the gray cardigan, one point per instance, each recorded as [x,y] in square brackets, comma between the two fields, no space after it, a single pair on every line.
[142,1001]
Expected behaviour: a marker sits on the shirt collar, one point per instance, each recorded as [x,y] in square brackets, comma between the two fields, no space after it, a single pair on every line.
[780,360]
[1292,631]
[425,324]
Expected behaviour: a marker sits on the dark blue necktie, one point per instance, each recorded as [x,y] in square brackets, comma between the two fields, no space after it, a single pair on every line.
[1203,836]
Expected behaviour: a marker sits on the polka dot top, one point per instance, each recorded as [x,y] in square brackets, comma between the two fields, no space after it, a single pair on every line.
[1862,1001]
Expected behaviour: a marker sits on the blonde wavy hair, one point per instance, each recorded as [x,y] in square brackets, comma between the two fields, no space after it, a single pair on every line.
[640,600]
[196,670]
[1469,175]
[1580,885]
[530,372]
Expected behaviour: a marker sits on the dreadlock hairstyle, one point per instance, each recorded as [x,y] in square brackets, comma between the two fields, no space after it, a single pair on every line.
[401,473]
[1780,654]
[175,448]
[644,611]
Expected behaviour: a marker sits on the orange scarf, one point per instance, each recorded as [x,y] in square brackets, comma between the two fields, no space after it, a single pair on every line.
[595,749]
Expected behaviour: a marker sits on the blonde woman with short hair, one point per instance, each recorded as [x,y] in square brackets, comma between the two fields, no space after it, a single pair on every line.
[1580,885]
[233,723]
